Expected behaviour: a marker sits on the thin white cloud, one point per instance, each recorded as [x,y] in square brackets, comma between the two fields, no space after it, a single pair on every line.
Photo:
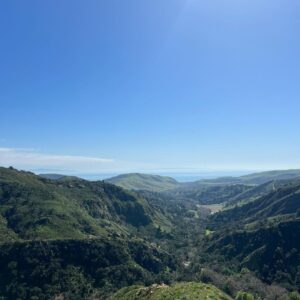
[36,161]
[30,159]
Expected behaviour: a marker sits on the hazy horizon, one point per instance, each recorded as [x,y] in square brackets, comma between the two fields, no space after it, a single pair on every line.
[179,176]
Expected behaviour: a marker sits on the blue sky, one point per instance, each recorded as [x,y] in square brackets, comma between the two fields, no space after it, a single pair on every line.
[115,86]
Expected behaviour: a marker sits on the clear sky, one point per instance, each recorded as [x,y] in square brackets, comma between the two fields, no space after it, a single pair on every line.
[161,85]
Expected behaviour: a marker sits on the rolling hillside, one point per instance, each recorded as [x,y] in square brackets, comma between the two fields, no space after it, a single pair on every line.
[137,181]
[253,178]
[261,235]
[284,200]
[74,237]
[233,190]
[32,207]
[207,193]
[263,177]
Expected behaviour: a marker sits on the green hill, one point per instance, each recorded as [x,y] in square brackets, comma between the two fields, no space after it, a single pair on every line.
[74,237]
[253,178]
[32,207]
[261,235]
[137,181]
[188,290]
[255,192]
[284,200]
[233,189]
[208,193]
[263,177]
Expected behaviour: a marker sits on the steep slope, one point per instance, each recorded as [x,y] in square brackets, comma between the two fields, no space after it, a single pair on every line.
[283,201]
[207,193]
[73,238]
[32,207]
[189,290]
[261,190]
[137,181]
[273,252]
[262,235]
[233,189]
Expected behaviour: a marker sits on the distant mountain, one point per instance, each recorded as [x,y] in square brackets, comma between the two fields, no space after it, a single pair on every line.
[263,177]
[138,181]
[58,176]
[233,189]
[250,179]
[52,176]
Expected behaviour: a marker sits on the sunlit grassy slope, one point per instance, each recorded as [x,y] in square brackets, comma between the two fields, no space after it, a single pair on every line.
[188,291]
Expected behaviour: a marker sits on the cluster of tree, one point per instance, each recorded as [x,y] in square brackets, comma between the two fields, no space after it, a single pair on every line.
[78,268]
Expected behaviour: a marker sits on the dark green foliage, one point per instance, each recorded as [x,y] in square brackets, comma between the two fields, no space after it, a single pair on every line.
[32,207]
[75,268]
[269,245]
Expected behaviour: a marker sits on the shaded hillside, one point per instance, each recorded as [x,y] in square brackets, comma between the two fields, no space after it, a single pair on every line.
[271,252]
[262,190]
[137,181]
[262,235]
[189,290]
[207,193]
[284,200]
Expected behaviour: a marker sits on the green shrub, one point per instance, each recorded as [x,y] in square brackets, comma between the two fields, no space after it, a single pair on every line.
[244,296]
[294,296]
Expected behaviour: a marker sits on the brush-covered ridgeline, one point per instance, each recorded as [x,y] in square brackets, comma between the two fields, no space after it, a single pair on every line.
[64,237]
